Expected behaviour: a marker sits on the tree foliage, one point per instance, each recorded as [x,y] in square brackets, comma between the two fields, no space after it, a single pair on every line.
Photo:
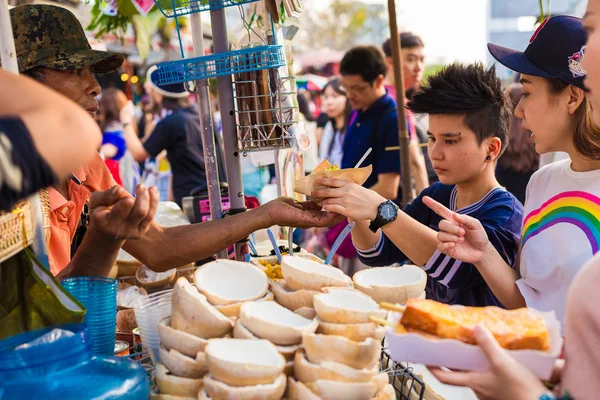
[339,26]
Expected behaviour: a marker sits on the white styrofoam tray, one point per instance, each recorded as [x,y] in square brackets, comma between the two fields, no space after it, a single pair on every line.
[454,354]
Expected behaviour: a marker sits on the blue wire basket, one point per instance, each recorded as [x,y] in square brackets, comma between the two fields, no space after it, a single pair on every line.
[232,62]
[176,8]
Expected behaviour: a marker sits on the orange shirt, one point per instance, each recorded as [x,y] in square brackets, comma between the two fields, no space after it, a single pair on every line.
[65,214]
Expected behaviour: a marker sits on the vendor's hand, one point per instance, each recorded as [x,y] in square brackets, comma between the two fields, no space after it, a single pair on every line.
[286,211]
[117,214]
[460,236]
[506,378]
[348,198]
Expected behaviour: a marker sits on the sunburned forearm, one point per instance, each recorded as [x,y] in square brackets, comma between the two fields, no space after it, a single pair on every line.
[96,256]
[164,248]
[417,241]
[501,279]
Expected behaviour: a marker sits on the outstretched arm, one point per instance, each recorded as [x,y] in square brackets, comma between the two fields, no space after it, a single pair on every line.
[464,238]
[417,241]
[164,248]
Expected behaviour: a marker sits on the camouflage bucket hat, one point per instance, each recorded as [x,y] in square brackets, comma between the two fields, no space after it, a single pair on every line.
[51,36]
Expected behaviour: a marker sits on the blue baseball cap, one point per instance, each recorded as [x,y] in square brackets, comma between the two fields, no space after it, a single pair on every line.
[555,50]
[172,90]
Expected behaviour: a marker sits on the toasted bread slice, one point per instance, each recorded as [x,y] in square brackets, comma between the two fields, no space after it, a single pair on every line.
[518,329]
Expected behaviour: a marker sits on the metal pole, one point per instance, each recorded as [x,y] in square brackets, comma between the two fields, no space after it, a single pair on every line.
[8,54]
[230,139]
[206,129]
[399,83]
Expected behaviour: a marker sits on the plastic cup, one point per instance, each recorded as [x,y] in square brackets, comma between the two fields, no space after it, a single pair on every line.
[149,311]
[99,296]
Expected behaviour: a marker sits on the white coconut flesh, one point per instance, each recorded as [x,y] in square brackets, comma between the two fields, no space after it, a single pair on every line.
[390,276]
[233,309]
[244,362]
[391,284]
[127,258]
[346,307]
[245,352]
[271,321]
[225,282]
[241,332]
[300,273]
[146,275]
[127,295]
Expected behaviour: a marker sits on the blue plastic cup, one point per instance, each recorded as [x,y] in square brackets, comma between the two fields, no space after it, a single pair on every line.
[99,296]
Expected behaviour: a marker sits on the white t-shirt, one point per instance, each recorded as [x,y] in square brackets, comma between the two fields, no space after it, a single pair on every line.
[561,232]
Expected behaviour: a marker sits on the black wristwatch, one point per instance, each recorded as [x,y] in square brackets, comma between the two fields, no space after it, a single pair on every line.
[386,213]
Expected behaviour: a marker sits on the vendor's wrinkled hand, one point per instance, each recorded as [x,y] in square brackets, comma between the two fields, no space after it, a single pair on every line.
[286,211]
[117,214]
[505,379]
[348,199]
[461,237]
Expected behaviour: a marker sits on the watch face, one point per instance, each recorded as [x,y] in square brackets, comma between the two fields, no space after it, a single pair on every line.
[388,211]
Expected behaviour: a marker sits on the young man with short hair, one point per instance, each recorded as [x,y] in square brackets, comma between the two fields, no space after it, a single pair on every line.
[413,62]
[374,121]
[469,121]
[413,67]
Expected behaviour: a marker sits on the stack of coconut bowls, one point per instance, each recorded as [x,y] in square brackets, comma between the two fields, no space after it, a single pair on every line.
[277,324]
[242,369]
[197,316]
[303,278]
[342,361]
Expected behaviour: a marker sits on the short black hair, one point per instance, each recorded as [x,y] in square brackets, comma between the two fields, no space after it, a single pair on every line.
[471,90]
[366,61]
[408,40]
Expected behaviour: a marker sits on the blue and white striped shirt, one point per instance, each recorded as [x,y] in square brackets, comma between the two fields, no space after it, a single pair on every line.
[451,281]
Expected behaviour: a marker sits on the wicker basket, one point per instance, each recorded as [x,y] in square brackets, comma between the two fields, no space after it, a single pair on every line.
[16,230]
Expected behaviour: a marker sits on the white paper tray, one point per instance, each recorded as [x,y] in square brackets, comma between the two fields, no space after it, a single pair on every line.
[453,354]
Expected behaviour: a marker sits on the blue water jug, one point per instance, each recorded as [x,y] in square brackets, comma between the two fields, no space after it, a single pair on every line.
[64,368]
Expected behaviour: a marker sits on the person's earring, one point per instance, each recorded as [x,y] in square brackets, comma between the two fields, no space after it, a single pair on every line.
[488,158]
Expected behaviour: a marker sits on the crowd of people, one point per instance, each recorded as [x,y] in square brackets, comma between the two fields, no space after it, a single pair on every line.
[476,240]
